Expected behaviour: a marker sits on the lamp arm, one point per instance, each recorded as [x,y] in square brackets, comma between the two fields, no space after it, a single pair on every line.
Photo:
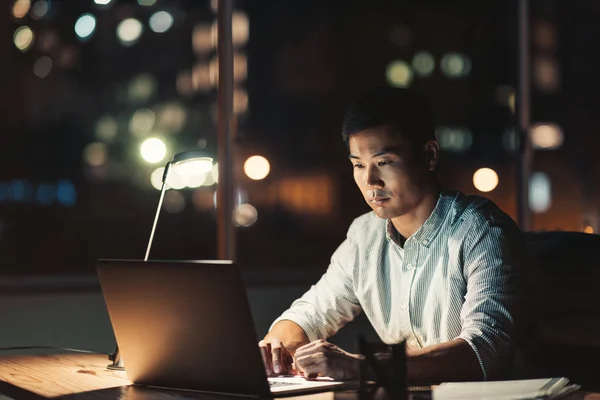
[160,201]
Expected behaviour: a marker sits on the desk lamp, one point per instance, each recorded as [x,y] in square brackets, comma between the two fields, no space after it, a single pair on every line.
[185,162]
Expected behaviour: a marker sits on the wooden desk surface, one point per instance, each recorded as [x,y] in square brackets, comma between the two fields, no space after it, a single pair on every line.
[56,375]
[85,376]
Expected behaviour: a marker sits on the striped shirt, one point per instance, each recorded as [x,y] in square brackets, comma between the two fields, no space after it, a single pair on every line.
[455,277]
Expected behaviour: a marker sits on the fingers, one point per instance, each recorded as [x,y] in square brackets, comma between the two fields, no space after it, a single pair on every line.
[277,357]
[315,346]
[314,365]
[310,359]
[265,352]
[321,358]
[313,372]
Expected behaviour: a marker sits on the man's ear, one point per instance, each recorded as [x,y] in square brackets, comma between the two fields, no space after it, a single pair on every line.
[432,154]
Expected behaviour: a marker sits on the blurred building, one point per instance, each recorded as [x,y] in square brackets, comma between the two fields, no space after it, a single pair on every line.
[98,95]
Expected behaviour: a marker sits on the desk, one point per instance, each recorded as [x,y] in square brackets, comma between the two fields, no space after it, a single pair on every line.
[85,376]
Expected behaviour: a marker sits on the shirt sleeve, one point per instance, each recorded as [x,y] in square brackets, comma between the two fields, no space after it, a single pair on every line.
[492,257]
[331,303]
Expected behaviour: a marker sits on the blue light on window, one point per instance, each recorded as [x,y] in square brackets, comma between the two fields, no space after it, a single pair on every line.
[46,193]
[66,193]
[19,190]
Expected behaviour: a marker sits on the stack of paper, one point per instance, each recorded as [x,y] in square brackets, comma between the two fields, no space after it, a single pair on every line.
[548,388]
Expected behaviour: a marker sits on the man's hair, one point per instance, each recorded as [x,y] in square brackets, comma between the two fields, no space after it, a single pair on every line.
[405,111]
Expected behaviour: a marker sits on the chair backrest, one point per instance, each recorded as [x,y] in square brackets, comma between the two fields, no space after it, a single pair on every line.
[564,276]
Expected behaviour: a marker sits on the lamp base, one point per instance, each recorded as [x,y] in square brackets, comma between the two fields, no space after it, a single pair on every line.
[115,367]
[117,364]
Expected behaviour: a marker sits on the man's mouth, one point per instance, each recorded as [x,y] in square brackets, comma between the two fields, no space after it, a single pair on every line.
[378,200]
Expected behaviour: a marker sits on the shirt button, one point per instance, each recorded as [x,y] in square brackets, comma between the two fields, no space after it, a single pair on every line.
[425,242]
[409,266]
[403,306]
[412,343]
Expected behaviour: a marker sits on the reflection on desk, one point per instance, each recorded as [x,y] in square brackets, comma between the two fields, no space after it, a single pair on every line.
[85,376]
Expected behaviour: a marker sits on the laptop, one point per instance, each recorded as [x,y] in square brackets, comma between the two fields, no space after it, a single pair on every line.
[187,325]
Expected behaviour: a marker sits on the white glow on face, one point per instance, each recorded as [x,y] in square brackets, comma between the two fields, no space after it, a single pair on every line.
[540,195]
[160,21]
[257,167]
[399,73]
[85,26]
[485,179]
[129,31]
[23,38]
[153,150]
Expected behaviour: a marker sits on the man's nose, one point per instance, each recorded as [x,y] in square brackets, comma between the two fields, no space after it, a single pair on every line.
[373,179]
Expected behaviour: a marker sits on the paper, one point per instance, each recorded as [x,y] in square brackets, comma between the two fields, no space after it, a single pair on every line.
[502,390]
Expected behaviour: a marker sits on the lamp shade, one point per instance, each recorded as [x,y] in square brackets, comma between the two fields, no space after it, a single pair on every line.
[192,155]
[193,161]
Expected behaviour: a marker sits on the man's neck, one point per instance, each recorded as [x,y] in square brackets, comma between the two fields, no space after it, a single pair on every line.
[409,223]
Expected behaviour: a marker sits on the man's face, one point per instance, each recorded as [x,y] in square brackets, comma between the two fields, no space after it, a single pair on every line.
[391,177]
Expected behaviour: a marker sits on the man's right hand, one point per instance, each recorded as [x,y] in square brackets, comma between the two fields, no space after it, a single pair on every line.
[277,359]
[277,356]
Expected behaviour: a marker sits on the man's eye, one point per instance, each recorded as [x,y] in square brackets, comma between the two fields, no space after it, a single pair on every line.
[382,163]
[358,166]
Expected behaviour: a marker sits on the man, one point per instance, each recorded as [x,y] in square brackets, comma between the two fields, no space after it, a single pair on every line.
[433,267]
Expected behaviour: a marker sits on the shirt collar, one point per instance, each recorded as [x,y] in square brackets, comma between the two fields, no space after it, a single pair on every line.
[392,234]
[430,228]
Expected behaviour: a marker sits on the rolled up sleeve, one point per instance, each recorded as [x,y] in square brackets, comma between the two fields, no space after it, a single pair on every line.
[492,260]
[331,303]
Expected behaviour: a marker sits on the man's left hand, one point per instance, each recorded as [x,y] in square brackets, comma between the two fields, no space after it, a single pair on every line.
[321,358]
